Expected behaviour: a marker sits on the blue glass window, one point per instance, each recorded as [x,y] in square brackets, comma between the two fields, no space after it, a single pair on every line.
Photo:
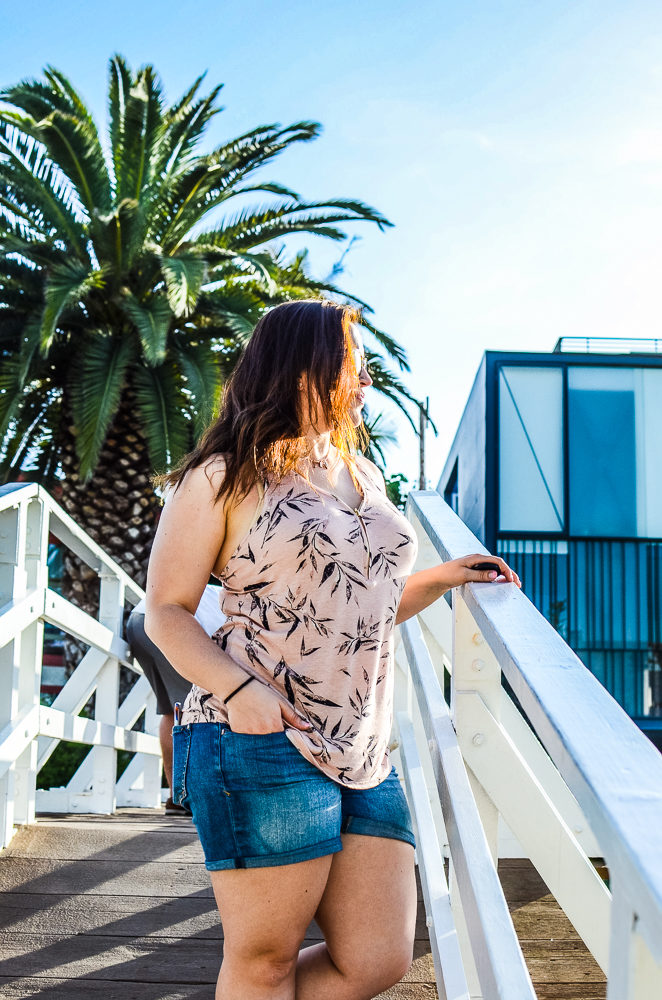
[531,449]
[602,452]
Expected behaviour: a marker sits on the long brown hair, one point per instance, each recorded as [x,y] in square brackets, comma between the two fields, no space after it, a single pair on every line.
[258,429]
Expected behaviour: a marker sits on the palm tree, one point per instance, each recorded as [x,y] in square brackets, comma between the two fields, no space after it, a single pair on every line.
[125,298]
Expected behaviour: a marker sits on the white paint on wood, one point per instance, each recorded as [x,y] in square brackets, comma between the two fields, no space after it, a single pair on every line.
[499,962]
[634,974]
[538,760]
[612,769]
[449,970]
[512,786]
[28,732]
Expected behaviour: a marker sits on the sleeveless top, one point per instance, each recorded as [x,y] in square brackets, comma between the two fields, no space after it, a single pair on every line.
[310,596]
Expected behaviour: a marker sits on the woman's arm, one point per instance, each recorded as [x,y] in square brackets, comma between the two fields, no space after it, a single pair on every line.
[189,536]
[428,585]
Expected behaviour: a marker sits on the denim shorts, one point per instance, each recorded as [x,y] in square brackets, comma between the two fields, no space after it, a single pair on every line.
[257,802]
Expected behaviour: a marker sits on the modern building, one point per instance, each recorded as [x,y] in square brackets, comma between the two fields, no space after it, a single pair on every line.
[557,466]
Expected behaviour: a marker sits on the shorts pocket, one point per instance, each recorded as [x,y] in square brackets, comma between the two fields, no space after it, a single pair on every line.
[258,736]
[181,747]
[250,761]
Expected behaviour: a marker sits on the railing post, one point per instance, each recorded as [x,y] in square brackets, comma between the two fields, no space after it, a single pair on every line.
[104,759]
[140,783]
[31,653]
[474,668]
[23,567]
[633,972]
[12,584]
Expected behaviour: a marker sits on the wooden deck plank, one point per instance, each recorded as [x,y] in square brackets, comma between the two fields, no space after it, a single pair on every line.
[126,916]
[98,989]
[122,916]
[145,959]
[558,961]
[95,989]
[110,878]
[108,843]
[122,906]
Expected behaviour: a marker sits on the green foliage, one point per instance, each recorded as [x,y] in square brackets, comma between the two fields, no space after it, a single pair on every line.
[61,765]
[395,489]
[118,272]
[67,757]
[65,761]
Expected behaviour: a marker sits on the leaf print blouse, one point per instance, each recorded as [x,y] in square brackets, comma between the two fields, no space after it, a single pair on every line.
[310,596]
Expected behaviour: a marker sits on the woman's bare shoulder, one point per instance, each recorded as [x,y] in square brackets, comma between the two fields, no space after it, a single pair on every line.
[202,481]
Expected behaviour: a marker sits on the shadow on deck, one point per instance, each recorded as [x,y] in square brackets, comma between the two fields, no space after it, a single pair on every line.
[121,907]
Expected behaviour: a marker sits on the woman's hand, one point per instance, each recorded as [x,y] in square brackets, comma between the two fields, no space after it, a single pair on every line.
[459,571]
[427,585]
[257,710]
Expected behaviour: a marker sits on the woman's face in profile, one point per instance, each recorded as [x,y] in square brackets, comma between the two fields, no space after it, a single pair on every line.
[363,381]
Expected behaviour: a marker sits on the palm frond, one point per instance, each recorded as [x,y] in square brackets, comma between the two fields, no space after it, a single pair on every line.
[152,321]
[161,406]
[119,88]
[55,115]
[199,365]
[184,275]
[183,127]
[33,181]
[79,110]
[192,191]
[68,282]
[380,433]
[11,391]
[95,389]
[118,236]
[251,227]
[26,430]
[138,129]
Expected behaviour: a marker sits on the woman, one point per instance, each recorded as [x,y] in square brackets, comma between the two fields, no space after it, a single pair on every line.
[282,752]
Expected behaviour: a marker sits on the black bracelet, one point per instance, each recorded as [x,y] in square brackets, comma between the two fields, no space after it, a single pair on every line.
[233,693]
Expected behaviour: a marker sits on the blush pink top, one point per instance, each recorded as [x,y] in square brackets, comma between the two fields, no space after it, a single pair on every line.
[310,596]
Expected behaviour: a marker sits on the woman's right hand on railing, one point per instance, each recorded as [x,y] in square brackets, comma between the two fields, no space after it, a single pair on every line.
[257,710]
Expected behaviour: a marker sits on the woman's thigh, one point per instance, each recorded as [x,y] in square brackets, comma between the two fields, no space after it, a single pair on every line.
[265,912]
[367,911]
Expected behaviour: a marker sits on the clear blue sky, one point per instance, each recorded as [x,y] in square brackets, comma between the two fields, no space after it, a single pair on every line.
[517,147]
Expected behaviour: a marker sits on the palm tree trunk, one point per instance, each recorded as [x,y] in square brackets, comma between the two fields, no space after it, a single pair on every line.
[117,507]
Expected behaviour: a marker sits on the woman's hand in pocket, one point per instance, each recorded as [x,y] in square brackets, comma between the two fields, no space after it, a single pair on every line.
[257,710]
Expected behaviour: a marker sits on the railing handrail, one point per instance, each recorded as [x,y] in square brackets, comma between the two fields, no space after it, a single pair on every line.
[70,533]
[614,771]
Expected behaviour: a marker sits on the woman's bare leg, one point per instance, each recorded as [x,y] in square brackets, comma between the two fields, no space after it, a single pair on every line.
[367,915]
[265,913]
[165,736]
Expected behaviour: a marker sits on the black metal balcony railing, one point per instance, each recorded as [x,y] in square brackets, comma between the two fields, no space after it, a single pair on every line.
[605,599]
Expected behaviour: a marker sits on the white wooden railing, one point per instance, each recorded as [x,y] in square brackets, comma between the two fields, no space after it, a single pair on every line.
[580,782]
[577,781]
[30,732]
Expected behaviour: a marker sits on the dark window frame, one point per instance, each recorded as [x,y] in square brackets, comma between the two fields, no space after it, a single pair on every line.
[495,360]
